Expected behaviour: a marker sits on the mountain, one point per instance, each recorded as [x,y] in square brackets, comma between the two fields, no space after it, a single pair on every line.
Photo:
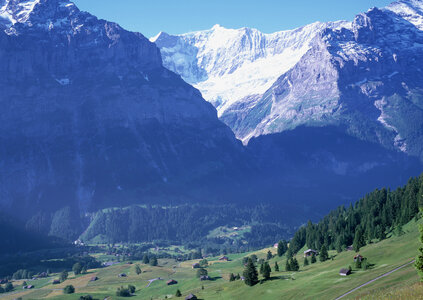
[91,119]
[364,76]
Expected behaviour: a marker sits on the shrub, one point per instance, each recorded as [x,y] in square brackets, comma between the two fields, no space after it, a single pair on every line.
[69,289]
[123,292]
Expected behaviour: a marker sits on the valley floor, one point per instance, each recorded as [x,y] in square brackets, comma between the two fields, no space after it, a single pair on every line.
[316,281]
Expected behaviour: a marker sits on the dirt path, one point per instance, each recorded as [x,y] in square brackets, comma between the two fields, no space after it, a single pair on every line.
[152,280]
[377,278]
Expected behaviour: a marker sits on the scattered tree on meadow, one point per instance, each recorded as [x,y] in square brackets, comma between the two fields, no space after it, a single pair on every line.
[145,259]
[132,289]
[323,255]
[202,272]
[288,266]
[178,293]
[69,289]
[9,287]
[153,261]
[269,255]
[266,271]
[250,273]
[138,269]
[63,276]
[305,262]
[77,268]
[123,292]
[313,258]
[204,263]
[232,277]
[282,247]
[276,266]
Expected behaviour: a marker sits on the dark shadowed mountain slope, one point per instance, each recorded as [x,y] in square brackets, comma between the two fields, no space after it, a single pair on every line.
[90,117]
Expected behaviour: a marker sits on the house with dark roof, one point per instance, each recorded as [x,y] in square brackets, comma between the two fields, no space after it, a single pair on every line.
[358,257]
[204,278]
[310,252]
[196,266]
[191,297]
[224,258]
[171,282]
[345,272]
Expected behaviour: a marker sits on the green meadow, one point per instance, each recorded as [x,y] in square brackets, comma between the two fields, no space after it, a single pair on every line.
[320,280]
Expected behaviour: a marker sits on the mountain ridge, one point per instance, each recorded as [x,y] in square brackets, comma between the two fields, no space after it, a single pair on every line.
[351,47]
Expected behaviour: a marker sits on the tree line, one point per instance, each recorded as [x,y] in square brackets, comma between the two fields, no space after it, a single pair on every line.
[370,219]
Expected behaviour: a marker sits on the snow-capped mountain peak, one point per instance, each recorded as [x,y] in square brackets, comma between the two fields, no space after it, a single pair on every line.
[410,10]
[228,65]
[20,11]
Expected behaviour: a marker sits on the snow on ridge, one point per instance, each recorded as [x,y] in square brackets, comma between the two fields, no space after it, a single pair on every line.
[227,65]
[410,10]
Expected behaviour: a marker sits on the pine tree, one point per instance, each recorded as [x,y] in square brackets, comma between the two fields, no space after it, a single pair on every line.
[261,269]
[250,273]
[281,248]
[323,255]
[313,259]
[266,271]
[294,265]
[288,265]
[305,262]
[419,259]
[153,261]
[145,259]
[358,240]
[232,277]
[178,293]
[276,266]
[137,269]
[269,255]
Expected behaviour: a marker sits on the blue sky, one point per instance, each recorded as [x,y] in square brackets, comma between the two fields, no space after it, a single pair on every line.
[179,16]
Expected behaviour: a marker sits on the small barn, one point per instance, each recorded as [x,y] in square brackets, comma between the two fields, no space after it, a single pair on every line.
[122,275]
[171,282]
[358,257]
[224,258]
[196,266]
[276,245]
[205,278]
[310,252]
[345,272]
[56,281]
[191,297]
[94,278]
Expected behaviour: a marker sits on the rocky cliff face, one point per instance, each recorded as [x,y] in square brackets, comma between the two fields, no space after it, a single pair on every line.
[90,117]
[365,75]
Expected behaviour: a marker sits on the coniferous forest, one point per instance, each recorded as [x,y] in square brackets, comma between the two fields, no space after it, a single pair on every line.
[372,218]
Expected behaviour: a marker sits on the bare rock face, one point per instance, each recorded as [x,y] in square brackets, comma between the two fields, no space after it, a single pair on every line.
[90,117]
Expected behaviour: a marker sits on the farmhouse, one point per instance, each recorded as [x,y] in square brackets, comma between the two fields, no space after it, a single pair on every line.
[191,297]
[224,258]
[204,278]
[344,272]
[196,266]
[276,245]
[171,282]
[310,252]
[358,257]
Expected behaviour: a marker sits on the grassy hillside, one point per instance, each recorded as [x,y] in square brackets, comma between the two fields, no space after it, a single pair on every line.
[316,281]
